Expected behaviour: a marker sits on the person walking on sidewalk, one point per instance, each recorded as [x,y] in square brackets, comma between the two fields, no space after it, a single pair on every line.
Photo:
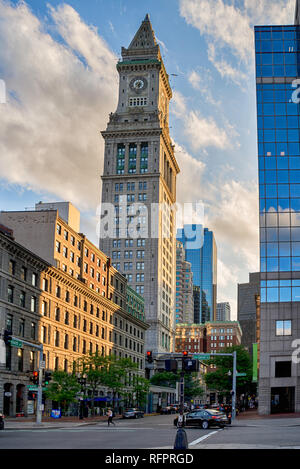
[110,417]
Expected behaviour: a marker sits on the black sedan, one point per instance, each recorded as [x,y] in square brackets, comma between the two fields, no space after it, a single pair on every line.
[204,419]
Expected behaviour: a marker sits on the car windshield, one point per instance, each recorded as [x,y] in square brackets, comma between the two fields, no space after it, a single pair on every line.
[130,410]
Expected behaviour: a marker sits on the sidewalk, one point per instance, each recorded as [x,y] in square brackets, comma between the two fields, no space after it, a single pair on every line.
[253,414]
[29,423]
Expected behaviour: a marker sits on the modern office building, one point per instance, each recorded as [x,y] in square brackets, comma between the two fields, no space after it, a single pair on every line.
[202,254]
[223,311]
[137,228]
[246,309]
[184,287]
[277,68]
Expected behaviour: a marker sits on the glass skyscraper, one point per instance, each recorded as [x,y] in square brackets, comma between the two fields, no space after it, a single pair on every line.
[202,254]
[277,67]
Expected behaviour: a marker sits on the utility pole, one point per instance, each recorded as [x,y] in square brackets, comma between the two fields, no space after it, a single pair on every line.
[234,387]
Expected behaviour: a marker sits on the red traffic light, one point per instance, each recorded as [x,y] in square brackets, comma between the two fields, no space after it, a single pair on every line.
[185,353]
[35,377]
[149,356]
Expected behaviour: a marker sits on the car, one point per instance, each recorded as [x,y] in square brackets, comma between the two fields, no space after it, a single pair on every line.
[204,419]
[133,413]
[170,409]
[1,421]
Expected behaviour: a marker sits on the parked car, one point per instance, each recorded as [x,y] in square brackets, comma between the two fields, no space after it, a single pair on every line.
[170,409]
[204,419]
[133,413]
[1,421]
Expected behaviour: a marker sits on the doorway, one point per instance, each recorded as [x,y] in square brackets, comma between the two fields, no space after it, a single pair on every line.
[282,400]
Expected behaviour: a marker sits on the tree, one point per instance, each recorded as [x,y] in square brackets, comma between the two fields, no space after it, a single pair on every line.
[92,367]
[116,375]
[140,389]
[192,388]
[63,388]
[220,380]
[165,378]
[191,383]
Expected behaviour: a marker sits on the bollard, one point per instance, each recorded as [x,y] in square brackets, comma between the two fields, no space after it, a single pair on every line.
[181,441]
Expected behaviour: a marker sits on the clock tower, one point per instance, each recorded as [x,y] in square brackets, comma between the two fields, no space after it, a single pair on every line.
[139,182]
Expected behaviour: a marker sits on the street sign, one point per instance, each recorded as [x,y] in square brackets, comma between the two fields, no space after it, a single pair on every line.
[34,387]
[241,374]
[202,356]
[42,365]
[16,343]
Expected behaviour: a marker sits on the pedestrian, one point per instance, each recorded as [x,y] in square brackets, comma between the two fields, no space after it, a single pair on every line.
[180,421]
[110,417]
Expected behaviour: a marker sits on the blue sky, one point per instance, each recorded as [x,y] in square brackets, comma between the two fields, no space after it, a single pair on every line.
[58,62]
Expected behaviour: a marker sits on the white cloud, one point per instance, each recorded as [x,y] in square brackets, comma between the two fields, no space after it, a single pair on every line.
[228,27]
[49,133]
[223,23]
[202,132]
[195,80]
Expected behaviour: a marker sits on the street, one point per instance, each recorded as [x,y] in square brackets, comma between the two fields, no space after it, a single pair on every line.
[155,432]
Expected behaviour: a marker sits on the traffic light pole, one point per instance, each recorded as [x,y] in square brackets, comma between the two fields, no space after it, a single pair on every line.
[39,394]
[233,405]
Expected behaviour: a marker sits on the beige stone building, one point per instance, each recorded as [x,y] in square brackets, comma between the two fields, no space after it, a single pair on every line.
[59,290]
[139,177]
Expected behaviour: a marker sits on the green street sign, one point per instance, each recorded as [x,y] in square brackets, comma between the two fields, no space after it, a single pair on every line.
[202,356]
[34,387]
[241,374]
[16,343]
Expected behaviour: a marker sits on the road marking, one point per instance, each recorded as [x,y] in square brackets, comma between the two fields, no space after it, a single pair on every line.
[195,442]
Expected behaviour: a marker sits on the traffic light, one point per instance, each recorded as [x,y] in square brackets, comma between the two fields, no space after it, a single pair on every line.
[47,377]
[149,357]
[185,353]
[35,377]
[7,337]
[190,365]
[171,365]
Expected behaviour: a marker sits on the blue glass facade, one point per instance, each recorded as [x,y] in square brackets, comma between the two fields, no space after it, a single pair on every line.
[203,258]
[277,67]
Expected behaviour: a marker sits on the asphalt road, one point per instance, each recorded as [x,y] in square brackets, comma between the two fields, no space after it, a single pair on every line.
[157,432]
[147,433]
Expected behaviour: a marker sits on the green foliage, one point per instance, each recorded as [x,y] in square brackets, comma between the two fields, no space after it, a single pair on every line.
[165,378]
[191,383]
[63,388]
[191,386]
[219,380]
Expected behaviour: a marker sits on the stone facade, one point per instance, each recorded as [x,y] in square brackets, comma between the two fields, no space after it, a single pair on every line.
[78,303]
[276,348]
[140,172]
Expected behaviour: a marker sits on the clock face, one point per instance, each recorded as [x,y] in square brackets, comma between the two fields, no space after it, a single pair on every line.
[138,84]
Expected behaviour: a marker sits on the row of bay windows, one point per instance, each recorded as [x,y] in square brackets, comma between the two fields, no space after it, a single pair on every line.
[128,254]
[131,186]
[129,243]
[142,197]
[132,158]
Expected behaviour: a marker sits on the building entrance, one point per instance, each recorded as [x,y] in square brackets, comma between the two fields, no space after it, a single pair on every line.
[282,400]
